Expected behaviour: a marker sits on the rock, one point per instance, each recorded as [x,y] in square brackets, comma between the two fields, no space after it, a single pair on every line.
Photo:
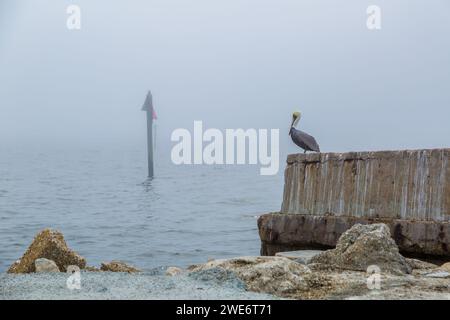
[438,274]
[445,267]
[276,275]
[173,271]
[48,244]
[92,269]
[320,267]
[45,265]
[300,256]
[14,266]
[420,265]
[118,266]
[218,276]
[362,246]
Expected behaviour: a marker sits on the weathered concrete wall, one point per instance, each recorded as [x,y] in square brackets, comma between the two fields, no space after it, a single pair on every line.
[384,184]
[285,232]
[325,194]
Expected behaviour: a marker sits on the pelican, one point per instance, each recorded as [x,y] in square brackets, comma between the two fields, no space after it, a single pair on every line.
[300,138]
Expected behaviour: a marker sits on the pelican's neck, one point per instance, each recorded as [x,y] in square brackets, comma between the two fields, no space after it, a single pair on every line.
[292,129]
[294,121]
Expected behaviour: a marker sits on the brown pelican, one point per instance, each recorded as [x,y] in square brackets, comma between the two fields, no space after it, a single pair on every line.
[300,138]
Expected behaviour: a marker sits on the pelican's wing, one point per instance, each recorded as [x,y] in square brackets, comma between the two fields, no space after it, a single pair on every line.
[309,141]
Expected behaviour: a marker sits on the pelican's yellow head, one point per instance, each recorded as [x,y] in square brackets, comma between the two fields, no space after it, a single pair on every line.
[296,115]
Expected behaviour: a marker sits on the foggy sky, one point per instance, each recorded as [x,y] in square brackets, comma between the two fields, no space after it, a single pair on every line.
[232,64]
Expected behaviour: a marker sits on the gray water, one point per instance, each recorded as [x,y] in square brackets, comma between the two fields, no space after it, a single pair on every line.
[106,208]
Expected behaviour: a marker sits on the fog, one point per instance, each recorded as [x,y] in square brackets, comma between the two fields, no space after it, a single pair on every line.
[231,64]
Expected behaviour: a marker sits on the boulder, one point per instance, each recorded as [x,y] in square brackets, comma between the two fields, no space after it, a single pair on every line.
[300,256]
[275,275]
[219,277]
[420,265]
[173,271]
[48,244]
[438,274]
[92,269]
[445,267]
[45,265]
[118,266]
[362,246]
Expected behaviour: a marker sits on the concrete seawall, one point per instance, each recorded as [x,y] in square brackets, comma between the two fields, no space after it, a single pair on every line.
[325,194]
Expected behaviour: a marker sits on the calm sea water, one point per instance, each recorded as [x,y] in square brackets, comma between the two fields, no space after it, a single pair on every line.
[106,208]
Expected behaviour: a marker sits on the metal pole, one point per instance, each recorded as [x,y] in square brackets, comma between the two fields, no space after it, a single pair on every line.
[150,142]
[154,138]
[148,107]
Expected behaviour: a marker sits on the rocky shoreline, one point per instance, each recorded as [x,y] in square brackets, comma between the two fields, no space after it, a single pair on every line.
[366,264]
